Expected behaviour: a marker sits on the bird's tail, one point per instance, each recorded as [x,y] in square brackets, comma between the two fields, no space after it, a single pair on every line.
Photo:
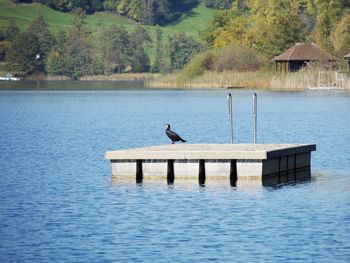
[182,140]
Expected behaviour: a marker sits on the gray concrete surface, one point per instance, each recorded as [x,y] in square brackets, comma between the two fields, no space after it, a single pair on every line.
[253,161]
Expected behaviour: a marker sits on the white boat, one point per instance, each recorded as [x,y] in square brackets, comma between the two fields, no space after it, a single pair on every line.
[9,78]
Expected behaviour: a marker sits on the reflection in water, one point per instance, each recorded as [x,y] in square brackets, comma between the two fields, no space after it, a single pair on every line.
[212,183]
[68,85]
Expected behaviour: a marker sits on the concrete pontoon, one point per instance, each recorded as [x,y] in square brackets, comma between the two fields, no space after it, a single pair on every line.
[276,162]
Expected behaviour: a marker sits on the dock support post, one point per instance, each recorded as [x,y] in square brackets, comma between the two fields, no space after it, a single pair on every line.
[295,167]
[287,167]
[170,172]
[233,173]
[201,176]
[139,173]
[279,169]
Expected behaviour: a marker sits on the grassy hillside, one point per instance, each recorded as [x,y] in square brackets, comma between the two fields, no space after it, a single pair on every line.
[23,14]
[191,23]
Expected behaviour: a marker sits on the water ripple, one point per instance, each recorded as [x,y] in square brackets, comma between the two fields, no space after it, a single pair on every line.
[58,202]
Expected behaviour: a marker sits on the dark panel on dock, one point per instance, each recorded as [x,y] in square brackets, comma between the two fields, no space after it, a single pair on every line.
[170,172]
[201,176]
[139,173]
[233,173]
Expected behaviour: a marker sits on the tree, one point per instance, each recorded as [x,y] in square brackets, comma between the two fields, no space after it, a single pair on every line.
[148,12]
[79,22]
[218,4]
[4,45]
[158,62]
[77,53]
[269,27]
[329,13]
[55,62]
[40,29]
[139,41]
[77,57]
[96,5]
[234,31]
[341,36]
[115,49]
[110,5]
[11,30]
[2,33]
[219,20]
[283,27]
[89,6]
[181,49]
[22,55]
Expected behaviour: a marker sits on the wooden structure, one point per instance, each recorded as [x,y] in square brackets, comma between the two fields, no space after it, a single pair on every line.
[300,55]
[347,57]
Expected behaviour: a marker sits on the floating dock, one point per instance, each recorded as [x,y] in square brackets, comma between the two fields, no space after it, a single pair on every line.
[263,162]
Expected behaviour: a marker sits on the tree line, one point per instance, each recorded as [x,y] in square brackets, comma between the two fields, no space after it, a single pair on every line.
[148,12]
[259,29]
[75,53]
[271,26]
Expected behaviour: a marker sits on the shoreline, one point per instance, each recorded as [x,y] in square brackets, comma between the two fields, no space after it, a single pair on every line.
[301,80]
[112,77]
[266,80]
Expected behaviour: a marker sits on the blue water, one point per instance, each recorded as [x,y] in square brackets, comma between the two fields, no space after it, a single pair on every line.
[59,204]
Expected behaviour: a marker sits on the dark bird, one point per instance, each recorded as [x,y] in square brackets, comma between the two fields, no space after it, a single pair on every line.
[173,136]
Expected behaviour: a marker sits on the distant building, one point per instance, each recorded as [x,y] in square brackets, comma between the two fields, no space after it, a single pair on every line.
[300,55]
[347,57]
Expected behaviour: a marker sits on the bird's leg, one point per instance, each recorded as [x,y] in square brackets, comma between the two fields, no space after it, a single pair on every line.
[173,142]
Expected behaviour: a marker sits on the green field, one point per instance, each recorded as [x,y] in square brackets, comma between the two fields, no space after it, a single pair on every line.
[190,23]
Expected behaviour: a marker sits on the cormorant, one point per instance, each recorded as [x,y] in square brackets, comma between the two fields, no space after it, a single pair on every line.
[173,136]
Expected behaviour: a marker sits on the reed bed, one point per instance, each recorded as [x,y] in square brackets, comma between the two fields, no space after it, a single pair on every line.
[123,76]
[112,77]
[214,80]
[300,80]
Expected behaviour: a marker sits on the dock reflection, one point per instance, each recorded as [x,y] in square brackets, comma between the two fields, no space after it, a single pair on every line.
[213,183]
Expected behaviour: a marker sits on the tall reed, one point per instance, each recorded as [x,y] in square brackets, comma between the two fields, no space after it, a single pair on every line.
[302,79]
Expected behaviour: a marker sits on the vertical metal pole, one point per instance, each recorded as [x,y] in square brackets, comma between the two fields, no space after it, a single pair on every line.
[229,104]
[255,112]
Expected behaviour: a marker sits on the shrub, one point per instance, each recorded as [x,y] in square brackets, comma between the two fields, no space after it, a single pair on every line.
[198,65]
[182,48]
[234,58]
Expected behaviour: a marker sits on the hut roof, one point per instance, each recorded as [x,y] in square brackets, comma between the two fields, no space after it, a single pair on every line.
[305,51]
[347,56]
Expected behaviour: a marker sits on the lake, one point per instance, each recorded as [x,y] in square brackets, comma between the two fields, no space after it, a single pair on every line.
[59,203]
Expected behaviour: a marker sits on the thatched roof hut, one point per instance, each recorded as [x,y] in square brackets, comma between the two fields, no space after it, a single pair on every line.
[300,55]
